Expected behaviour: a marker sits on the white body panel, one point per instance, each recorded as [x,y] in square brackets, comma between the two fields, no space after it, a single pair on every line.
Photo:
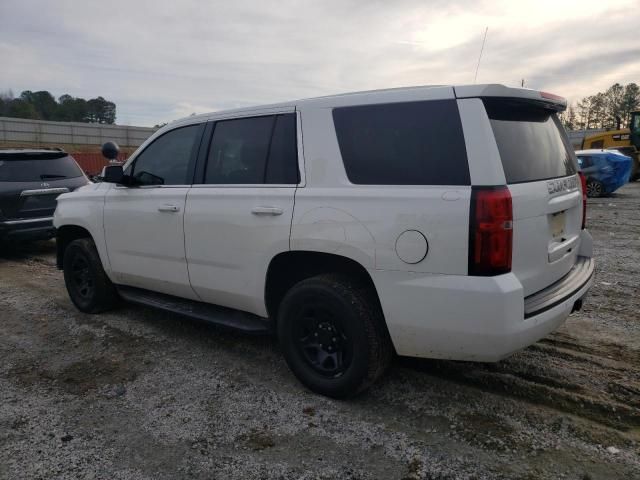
[231,235]
[144,234]
[218,246]
[85,208]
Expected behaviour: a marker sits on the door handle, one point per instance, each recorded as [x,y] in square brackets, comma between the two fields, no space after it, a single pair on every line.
[267,211]
[168,208]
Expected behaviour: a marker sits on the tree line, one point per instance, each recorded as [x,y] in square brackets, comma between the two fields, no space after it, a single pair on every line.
[42,105]
[606,109]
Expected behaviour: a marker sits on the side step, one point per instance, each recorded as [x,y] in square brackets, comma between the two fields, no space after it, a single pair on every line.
[221,316]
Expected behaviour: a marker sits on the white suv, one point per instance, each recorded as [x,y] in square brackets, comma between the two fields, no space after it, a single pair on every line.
[442,222]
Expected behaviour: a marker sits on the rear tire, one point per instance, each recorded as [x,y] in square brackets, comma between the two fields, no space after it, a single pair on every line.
[333,336]
[89,288]
[594,188]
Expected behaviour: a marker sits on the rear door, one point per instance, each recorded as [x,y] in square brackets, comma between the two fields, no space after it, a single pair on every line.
[239,217]
[540,169]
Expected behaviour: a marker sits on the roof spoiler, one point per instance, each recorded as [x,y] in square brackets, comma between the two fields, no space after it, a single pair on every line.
[32,155]
[545,99]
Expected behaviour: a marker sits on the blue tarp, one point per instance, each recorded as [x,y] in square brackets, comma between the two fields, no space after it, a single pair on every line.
[609,168]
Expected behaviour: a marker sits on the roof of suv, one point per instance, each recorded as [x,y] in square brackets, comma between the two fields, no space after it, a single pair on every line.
[599,151]
[393,94]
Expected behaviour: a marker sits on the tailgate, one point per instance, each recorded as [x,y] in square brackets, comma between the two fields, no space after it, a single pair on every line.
[541,172]
[30,203]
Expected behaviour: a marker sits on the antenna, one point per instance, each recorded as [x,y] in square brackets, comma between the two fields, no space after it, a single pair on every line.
[480,56]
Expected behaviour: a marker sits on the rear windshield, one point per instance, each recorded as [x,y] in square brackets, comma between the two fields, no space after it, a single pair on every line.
[38,170]
[533,145]
[412,143]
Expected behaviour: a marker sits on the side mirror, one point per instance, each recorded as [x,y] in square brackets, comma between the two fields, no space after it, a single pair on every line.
[113,174]
[110,150]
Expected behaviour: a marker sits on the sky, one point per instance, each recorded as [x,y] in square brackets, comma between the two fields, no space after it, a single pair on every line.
[162,60]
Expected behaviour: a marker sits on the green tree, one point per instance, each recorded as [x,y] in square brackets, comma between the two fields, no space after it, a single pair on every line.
[612,105]
[19,108]
[630,102]
[584,113]
[42,105]
[569,118]
[100,110]
[72,109]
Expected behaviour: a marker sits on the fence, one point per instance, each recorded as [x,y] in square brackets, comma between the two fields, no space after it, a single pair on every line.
[46,133]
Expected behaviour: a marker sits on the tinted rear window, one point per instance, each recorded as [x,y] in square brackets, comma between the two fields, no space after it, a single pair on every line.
[533,145]
[415,143]
[38,170]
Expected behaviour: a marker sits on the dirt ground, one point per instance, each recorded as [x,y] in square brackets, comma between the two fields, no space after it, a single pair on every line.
[140,394]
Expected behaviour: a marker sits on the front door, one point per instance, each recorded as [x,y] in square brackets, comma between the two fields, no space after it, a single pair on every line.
[143,223]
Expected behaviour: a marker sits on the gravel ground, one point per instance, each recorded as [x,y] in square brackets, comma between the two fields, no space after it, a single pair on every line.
[141,394]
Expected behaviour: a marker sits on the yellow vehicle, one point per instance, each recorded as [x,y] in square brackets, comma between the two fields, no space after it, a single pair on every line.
[625,140]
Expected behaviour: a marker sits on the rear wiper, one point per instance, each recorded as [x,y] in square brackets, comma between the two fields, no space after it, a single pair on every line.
[48,175]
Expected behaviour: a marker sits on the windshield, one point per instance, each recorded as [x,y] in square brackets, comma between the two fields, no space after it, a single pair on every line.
[532,143]
[38,170]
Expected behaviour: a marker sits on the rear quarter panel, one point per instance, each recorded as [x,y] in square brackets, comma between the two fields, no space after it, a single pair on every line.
[363,222]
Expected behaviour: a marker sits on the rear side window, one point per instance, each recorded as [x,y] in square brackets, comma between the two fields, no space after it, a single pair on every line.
[585,162]
[38,170]
[254,150]
[413,143]
[533,145]
[282,165]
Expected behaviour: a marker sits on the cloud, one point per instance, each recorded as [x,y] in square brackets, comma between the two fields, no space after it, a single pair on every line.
[159,60]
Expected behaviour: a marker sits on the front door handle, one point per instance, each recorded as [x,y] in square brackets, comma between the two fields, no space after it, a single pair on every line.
[267,211]
[168,208]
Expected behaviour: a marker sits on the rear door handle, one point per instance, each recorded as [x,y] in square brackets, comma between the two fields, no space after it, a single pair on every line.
[267,211]
[168,208]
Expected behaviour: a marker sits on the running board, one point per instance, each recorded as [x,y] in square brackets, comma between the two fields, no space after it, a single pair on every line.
[220,316]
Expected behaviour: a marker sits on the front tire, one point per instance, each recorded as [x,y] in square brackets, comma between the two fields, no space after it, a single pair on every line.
[333,335]
[89,288]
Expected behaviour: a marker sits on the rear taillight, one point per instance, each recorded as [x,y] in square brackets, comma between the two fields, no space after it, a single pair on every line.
[583,183]
[490,231]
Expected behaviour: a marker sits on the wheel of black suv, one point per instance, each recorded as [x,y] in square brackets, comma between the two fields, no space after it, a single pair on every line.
[594,188]
[333,335]
[88,285]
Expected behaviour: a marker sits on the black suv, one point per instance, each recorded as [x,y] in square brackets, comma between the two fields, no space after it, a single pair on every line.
[30,182]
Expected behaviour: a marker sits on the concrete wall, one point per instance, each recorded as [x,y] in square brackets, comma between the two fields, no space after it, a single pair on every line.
[576,136]
[46,133]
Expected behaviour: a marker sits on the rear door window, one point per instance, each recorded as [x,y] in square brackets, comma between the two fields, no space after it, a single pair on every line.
[254,150]
[533,145]
[412,143]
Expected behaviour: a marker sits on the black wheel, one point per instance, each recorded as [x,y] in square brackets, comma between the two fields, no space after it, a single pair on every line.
[333,335]
[88,285]
[594,188]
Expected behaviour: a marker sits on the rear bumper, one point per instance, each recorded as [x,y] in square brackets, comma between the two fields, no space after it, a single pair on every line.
[474,318]
[40,228]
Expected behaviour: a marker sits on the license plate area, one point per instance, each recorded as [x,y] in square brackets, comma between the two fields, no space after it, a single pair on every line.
[557,225]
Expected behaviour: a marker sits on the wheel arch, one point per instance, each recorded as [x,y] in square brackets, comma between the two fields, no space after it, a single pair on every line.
[65,234]
[288,268]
